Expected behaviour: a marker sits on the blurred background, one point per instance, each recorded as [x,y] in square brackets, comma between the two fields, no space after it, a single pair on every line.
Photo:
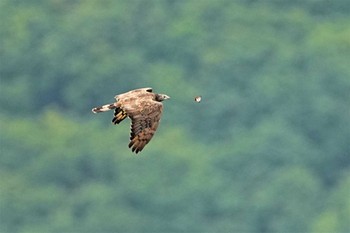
[267,149]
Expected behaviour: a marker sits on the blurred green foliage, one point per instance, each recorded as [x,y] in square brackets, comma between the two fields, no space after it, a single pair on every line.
[267,149]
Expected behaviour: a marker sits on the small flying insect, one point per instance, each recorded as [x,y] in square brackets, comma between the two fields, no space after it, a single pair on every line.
[198,99]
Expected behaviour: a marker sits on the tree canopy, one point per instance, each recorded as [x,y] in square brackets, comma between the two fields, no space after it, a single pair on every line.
[266,150]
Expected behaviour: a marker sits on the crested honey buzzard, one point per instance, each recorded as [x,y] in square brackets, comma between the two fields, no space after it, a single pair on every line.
[144,108]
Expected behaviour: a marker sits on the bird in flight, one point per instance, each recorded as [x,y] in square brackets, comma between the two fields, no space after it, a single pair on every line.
[144,108]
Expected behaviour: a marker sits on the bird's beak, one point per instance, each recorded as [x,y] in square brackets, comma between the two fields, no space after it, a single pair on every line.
[166,97]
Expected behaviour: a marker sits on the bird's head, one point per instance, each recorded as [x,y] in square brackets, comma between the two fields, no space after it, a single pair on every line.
[161,97]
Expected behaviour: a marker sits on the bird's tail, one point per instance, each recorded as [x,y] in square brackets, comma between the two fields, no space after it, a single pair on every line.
[104,108]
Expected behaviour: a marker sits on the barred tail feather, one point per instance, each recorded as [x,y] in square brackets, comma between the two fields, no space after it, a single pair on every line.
[104,108]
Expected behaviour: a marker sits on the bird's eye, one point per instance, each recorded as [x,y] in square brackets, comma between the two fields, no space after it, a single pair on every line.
[149,90]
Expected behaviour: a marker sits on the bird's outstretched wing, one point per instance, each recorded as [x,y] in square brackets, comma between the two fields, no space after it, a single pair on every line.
[145,118]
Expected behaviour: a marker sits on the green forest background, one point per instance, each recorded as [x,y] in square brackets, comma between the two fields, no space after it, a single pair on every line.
[267,149]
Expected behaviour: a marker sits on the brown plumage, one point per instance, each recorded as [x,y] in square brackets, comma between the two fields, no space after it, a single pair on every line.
[144,108]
